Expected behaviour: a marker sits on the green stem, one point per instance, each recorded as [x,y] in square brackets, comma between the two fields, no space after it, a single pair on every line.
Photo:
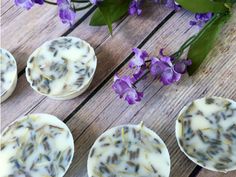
[49,2]
[194,38]
[80,1]
[74,1]
[84,7]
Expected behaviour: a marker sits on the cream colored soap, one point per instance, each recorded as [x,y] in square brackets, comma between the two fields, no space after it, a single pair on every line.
[37,145]
[129,151]
[206,133]
[62,68]
[8,74]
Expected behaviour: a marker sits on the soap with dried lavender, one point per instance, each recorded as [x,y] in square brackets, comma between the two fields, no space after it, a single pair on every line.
[129,151]
[206,133]
[37,145]
[62,68]
[8,74]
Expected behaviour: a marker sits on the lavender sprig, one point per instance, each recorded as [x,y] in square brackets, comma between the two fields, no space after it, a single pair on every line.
[168,69]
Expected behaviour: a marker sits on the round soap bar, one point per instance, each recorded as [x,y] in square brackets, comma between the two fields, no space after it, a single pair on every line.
[38,145]
[206,133]
[129,151]
[8,74]
[62,68]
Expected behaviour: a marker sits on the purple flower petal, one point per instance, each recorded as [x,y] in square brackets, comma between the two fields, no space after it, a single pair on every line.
[157,67]
[181,67]
[172,5]
[139,59]
[27,4]
[66,13]
[134,7]
[170,76]
[39,1]
[201,19]
[124,88]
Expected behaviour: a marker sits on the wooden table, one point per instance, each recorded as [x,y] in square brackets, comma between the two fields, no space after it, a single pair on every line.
[99,108]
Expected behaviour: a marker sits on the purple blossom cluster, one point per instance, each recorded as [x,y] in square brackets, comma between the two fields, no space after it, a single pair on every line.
[201,19]
[66,12]
[166,68]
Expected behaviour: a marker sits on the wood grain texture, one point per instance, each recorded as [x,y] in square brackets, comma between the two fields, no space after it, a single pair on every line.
[105,110]
[111,51]
[23,31]
[207,173]
[160,105]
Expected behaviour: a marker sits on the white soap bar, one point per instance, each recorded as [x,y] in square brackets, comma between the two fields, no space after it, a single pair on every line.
[129,151]
[8,74]
[62,68]
[38,145]
[206,133]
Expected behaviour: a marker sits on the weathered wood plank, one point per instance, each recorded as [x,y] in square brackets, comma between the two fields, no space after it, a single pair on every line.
[23,31]
[207,173]
[161,104]
[110,54]
[105,110]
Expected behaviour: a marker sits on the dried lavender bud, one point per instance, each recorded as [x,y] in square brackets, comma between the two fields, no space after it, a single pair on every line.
[60,69]
[207,134]
[8,74]
[130,150]
[36,145]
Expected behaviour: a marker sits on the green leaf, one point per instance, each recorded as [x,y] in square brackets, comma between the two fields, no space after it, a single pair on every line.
[109,11]
[205,41]
[203,6]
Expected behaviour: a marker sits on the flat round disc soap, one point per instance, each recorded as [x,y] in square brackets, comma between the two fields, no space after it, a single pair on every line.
[206,133]
[62,68]
[129,151]
[8,74]
[37,145]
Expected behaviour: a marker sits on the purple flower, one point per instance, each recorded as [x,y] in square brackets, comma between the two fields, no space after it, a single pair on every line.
[124,88]
[169,72]
[134,7]
[181,67]
[169,3]
[66,13]
[201,19]
[139,58]
[27,4]
[138,62]
[172,5]
[165,69]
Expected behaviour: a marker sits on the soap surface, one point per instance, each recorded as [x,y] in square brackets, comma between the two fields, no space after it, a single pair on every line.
[38,145]
[206,133]
[8,74]
[62,67]
[129,151]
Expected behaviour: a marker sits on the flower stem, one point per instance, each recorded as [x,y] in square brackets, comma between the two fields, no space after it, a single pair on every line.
[84,7]
[49,2]
[193,38]
[139,79]
[80,1]
[74,1]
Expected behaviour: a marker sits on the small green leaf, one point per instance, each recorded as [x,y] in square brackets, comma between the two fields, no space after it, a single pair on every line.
[203,6]
[205,41]
[109,11]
